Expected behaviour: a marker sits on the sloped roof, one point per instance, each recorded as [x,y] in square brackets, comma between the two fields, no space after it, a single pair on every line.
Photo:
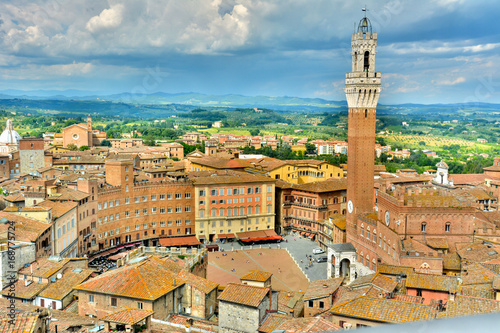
[272,321]
[260,276]
[384,310]
[198,282]
[329,185]
[27,230]
[128,316]
[377,280]
[451,261]
[312,324]
[59,208]
[243,294]
[26,292]
[394,269]
[22,322]
[148,279]
[466,306]
[226,177]
[322,288]
[62,287]
[432,282]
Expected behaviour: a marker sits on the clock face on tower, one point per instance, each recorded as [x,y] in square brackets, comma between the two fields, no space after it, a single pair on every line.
[350,207]
[387,218]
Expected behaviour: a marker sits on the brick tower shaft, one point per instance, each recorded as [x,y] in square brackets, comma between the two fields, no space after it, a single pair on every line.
[362,88]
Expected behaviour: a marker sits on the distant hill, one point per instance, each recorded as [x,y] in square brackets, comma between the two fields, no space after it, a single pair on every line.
[69,102]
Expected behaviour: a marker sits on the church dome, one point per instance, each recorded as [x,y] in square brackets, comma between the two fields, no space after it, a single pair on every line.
[9,135]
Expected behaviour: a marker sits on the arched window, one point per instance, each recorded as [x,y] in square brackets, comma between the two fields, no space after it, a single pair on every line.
[355,61]
[367,61]
[366,113]
[423,226]
[447,227]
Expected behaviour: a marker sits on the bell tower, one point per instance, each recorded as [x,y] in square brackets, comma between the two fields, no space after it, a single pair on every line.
[362,89]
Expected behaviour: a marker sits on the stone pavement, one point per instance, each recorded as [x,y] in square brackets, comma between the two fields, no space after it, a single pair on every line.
[298,247]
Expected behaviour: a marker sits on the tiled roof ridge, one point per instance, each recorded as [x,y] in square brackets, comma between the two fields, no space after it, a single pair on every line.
[488,268]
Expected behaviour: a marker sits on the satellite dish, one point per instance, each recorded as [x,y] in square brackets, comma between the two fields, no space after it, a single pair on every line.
[59,276]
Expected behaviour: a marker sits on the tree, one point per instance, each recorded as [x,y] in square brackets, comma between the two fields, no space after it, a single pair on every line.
[82,148]
[310,148]
[72,147]
[106,143]
[254,132]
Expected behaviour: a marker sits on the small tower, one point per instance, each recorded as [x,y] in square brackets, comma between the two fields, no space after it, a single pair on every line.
[362,89]
[89,123]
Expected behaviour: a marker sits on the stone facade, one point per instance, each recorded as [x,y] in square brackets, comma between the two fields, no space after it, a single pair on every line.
[31,155]
[238,318]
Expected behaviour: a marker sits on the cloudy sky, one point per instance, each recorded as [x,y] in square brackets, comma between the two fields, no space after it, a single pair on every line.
[429,51]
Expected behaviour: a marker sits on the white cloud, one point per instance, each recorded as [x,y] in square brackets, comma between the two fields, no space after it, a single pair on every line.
[458,80]
[108,18]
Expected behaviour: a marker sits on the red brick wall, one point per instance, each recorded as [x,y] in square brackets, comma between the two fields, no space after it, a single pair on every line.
[31,144]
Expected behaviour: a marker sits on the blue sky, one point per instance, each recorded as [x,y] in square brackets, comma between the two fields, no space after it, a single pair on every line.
[429,51]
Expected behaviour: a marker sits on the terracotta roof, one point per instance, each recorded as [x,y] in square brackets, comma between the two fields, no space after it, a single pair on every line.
[288,300]
[221,163]
[479,194]
[384,310]
[467,179]
[322,288]
[451,261]
[466,306]
[148,279]
[313,324]
[432,282]
[226,177]
[414,245]
[260,276]
[329,185]
[394,269]
[179,241]
[65,321]
[62,287]
[477,273]
[376,280]
[23,323]
[202,284]
[26,292]
[45,267]
[59,208]
[272,321]
[244,294]
[68,194]
[128,316]
[479,252]
[27,230]
[437,242]
[14,197]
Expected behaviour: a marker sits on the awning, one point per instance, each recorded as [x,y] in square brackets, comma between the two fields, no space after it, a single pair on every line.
[179,241]
[201,236]
[223,236]
[258,236]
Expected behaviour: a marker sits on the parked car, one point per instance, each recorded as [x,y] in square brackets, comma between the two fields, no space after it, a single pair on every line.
[318,251]
[322,259]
